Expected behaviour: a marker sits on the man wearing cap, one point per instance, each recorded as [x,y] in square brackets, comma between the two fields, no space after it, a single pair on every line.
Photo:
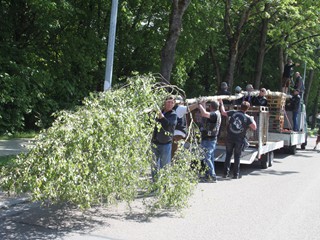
[238,101]
[162,135]
[180,131]
[224,91]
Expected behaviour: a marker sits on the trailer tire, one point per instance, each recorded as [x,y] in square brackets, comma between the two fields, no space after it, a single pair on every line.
[292,149]
[265,161]
[271,155]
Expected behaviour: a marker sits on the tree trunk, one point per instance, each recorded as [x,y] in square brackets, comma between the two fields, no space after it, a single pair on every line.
[281,66]
[233,35]
[168,50]
[233,54]
[308,85]
[216,65]
[262,49]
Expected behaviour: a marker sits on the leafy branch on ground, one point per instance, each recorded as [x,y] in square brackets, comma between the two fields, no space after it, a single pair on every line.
[100,154]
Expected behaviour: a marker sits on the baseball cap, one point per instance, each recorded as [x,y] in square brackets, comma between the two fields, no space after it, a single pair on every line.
[224,85]
[238,89]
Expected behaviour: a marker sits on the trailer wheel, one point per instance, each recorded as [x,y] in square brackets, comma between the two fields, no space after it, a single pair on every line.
[265,161]
[271,155]
[303,145]
[292,149]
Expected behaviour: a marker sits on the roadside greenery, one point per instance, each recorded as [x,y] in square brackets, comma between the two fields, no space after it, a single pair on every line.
[101,154]
[28,134]
[52,53]
[4,160]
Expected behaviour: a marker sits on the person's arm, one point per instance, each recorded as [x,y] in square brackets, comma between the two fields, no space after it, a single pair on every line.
[168,122]
[253,125]
[192,107]
[222,110]
[203,111]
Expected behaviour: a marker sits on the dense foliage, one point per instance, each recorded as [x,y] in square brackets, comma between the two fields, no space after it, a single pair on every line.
[101,153]
[52,53]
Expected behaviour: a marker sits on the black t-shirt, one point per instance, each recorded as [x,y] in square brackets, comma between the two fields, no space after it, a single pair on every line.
[238,124]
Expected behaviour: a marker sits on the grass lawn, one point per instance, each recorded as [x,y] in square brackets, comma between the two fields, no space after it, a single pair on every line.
[18,135]
[5,159]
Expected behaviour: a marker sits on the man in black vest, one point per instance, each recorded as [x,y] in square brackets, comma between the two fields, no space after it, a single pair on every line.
[211,121]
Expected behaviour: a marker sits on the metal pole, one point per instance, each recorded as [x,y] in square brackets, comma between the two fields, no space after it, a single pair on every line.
[304,78]
[111,43]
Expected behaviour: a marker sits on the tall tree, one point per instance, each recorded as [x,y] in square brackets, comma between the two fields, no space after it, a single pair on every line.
[262,47]
[175,24]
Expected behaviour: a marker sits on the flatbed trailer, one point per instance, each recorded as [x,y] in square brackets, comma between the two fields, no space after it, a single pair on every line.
[291,138]
[263,153]
[261,148]
[274,129]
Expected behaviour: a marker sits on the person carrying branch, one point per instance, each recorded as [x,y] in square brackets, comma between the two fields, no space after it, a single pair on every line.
[210,125]
[180,131]
[163,134]
[237,127]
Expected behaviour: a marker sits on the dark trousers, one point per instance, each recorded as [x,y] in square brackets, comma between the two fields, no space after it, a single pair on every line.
[295,121]
[233,148]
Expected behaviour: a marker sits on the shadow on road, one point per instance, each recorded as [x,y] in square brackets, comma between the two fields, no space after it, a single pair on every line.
[32,221]
[35,222]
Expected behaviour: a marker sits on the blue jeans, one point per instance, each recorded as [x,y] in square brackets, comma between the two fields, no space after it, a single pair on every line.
[162,153]
[233,148]
[295,121]
[209,147]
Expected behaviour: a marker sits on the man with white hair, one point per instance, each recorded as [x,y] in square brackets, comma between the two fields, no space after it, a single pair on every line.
[260,100]
[249,89]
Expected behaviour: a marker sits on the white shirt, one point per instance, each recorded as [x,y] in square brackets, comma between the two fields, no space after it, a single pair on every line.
[180,111]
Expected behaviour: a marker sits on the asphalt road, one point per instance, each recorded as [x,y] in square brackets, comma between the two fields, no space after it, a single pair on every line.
[13,147]
[281,202]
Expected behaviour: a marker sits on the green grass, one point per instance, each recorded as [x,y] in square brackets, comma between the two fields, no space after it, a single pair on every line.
[313,132]
[18,135]
[5,159]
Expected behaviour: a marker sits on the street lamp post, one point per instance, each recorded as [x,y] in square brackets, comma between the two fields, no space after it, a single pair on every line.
[111,43]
